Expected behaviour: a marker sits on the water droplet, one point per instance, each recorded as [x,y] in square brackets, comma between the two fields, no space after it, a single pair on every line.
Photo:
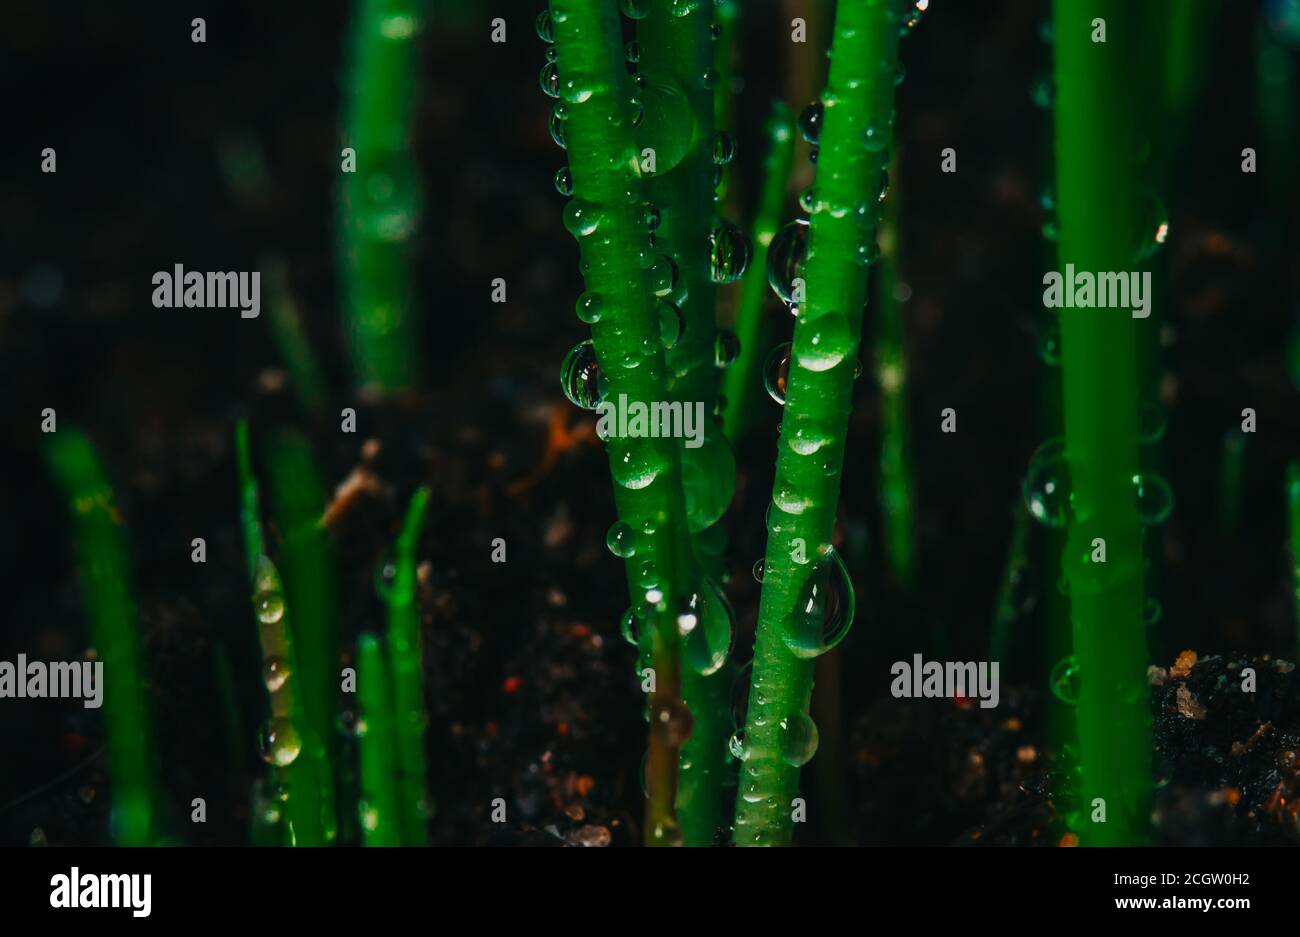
[776,372]
[650,215]
[621,540]
[1155,499]
[798,738]
[671,323]
[729,253]
[629,626]
[634,9]
[875,137]
[824,342]
[581,378]
[736,745]
[564,181]
[810,122]
[279,744]
[636,468]
[275,671]
[559,114]
[757,571]
[824,612]
[270,606]
[545,28]
[726,349]
[724,148]
[1151,423]
[662,276]
[1065,681]
[549,79]
[552,54]
[804,435]
[786,257]
[709,80]
[1046,487]
[808,199]
[581,218]
[707,625]
[632,51]
[574,91]
[590,307]
[1049,345]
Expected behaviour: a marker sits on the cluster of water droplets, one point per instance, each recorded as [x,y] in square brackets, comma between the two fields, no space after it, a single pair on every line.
[1049,492]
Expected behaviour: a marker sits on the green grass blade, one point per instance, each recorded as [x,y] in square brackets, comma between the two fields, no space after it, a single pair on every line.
[309,569]
[1099,209]
[626,338]
[778,731]
[743,382]
[406,667]
[379,810]
[291,338]
[381,201]
[114,633]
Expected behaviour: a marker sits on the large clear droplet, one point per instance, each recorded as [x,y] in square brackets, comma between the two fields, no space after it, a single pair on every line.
[824,612]
[708,478]
[621,540]
[798,738]
[810,122]
[1155,499]
[776,372]
[581,378]
[707,625]
[280,744]
[1065,681]
[275,671]
[786,258]
[824,342]
[729,253]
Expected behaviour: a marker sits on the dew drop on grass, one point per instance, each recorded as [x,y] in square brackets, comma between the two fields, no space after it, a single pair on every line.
[1046,487]
[564,181]
[724,148]
[875,137]
[1155,499]
[709,80]
[726,349]
[582,218]
[707,625]
[581,378]
[805,436]
[269,604]
[737,747]
[757,570]
[621,540]
[729,253]
[629,626]
[650,215]
[786,257]
[549,79]
[1064,681]
[668,125]
[776,372]
[634,9]
[708,479]
[798,739]
[275,671]
[279,744]
[636,468]
[559,114]
[671,720]
[590,307]
[663,276]
[810,122]
[808,199]
[552,54]
[632,51]
[545,28]
[824,612]
[824,342]
[671,323]
[1151,423]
